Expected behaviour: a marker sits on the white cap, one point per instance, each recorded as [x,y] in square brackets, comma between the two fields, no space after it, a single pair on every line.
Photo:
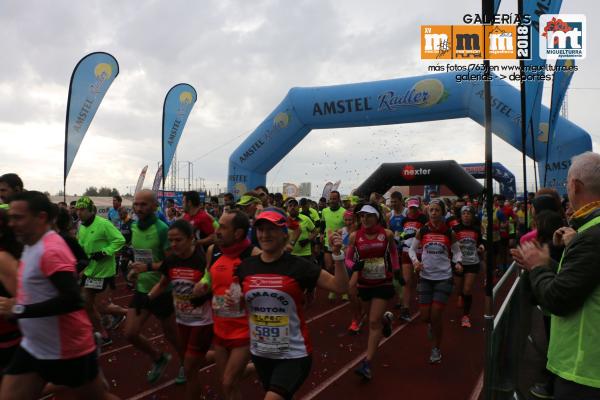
[369,209]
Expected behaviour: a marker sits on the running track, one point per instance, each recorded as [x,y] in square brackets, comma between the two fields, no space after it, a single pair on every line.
[400,369]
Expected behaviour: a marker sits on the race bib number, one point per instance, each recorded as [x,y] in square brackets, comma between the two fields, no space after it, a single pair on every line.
[374,269]
[93,283]
[270,333]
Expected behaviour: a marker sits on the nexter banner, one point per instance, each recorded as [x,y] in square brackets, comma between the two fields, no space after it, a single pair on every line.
[176,109]
[90,81]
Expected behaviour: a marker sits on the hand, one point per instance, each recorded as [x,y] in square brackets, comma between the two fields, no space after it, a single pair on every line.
[531,255]
[458,267]
[6,305]
[563,236]
[288,248]
[139,267]
[481,249]
[97,256]
[418,266]
[230,301]
[200,289]
[335,241]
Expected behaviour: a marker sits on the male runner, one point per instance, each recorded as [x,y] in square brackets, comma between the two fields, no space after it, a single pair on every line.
[149,243]
[333,220]
[101,241]
[200,220]
[58,345]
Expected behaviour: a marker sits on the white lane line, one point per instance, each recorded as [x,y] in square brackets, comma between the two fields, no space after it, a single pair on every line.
[326,383]
[172,381]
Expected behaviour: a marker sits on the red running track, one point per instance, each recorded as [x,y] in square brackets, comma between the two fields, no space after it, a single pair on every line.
[400,369]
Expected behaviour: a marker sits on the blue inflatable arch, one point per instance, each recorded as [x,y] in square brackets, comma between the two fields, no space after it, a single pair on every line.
[506,179]
[396,101]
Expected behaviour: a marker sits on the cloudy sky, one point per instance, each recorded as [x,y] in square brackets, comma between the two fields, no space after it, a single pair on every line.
[242,57]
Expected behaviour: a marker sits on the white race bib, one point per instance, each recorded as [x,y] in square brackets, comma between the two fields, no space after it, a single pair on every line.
[93,283]
[270,333]
[374,269]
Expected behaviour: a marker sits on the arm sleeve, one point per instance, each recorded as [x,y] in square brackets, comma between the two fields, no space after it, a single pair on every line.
[579,276]
[68,299]
[456,253]
[412,251]
[349,261]
[116,240]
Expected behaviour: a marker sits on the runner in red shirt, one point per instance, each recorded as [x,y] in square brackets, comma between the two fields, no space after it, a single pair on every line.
[373,254]
[183,269]
[231,339]
[57,345]
[202,222]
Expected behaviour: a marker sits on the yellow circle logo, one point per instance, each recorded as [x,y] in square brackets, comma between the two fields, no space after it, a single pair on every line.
[431,92]
[282,120]
[103,68]
[185,98]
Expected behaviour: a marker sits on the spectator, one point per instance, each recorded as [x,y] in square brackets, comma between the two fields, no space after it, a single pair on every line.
[571,289]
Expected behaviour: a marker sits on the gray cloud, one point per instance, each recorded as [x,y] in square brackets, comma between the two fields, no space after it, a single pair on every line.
[242,57]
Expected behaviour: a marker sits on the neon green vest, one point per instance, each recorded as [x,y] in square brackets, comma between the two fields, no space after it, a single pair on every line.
[574,352]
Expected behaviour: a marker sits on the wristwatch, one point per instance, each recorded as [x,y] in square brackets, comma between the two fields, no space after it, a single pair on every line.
[339,257]
[18,309]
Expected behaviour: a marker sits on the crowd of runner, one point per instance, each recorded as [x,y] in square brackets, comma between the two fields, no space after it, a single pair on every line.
[231,282]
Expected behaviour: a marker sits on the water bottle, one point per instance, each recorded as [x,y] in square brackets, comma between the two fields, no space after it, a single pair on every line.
[235,291]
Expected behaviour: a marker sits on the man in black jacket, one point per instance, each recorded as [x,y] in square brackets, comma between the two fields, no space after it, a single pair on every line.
[571,289]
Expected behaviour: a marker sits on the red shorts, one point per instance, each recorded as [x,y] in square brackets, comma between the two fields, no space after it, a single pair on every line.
[230,343]
[195,340]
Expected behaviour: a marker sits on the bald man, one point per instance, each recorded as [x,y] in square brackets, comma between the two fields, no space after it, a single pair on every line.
[150,245]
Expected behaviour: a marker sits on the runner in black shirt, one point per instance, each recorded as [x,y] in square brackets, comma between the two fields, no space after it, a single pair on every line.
[273,286]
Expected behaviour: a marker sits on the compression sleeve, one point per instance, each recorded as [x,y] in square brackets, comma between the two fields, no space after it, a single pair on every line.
[412,251]
[68,299]
[350,257]
[456,253]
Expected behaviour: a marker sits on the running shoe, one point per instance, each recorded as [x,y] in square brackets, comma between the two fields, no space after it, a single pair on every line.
[158,368]
[465,322]
[460,302]
[388,317]
[541,391]
[180,378]
[436,356]
[364,370]
[116,321]
[345,297]
[405,314]
[429,332]
[354,328]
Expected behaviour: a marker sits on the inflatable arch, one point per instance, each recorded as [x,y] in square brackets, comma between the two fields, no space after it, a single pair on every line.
[414,99]
[506,179]
[420,173]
